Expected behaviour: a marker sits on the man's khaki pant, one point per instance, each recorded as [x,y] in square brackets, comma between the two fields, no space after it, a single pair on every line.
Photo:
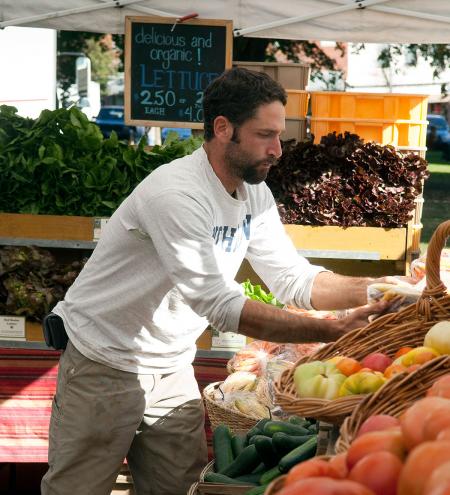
[101,415]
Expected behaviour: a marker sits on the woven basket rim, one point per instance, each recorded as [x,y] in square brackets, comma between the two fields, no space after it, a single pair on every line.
[210,467]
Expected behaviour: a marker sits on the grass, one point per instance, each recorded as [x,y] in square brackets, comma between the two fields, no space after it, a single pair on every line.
[436,207]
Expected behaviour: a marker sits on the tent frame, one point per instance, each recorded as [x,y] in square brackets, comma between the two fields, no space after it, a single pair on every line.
[344,5]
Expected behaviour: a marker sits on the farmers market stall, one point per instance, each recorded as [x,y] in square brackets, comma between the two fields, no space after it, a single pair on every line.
[365,20]
[402,21]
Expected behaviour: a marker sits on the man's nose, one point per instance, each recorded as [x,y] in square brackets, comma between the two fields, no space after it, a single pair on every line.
[275,148]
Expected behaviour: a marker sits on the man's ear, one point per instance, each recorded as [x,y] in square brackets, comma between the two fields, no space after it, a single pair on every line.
[223,129]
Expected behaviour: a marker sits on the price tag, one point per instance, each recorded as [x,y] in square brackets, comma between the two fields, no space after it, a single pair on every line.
[227,340]
[12,327]
[99,225]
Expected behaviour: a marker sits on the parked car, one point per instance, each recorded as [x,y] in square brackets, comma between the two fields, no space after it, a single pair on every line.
[438,132]
[183,132]
[111,118]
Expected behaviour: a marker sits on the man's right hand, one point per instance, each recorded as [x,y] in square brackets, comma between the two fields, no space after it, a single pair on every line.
[360,317]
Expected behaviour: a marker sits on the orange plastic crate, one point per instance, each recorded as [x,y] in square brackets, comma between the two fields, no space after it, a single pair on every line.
[384,106]
[297,104]
[395,133]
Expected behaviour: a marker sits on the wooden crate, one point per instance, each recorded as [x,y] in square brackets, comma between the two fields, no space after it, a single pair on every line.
[33,331]
[289,75]
[295,129]
[382,251]
[385,244]
[52,227]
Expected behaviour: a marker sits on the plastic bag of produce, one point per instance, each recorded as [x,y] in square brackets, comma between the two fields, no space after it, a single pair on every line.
[418,269]
[239,381]
[406,293]
[253,357]
[247,403]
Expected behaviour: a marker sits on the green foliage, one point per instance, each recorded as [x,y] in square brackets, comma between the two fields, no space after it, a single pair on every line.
[60,164]
[104,51]
[436,195]
[396,56]
[105,60]
[257,293]
[32,281]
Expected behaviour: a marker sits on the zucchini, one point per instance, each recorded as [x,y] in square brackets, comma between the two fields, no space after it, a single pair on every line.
[270,475]
[237,444]
[297,420]
[266,451]
[244,463]
[284,443]
[211,477]
[257,429]
[258,490]
[223,453]
[249,478]
[272,427]
[314,428]
[299,454]
[260,468]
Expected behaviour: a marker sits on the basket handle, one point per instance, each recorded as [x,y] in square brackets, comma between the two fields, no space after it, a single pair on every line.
[434,289]
[437,244]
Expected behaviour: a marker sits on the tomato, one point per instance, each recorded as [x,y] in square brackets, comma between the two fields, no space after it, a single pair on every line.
[419,465]
[310,469]
[378,471]
[325,486]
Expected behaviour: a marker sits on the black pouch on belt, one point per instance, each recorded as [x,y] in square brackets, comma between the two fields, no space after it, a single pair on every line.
[54,332]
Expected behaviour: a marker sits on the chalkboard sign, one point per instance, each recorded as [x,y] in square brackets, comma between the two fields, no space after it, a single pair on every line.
[169,64]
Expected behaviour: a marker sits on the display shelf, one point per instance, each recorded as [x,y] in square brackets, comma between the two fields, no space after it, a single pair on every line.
[47,243]
[62,228]
[362,243]
[21,344]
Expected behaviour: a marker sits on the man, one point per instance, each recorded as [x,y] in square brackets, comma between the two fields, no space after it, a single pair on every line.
[164,268]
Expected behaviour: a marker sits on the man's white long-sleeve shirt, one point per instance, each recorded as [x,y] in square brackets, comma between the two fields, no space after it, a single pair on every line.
[165,266]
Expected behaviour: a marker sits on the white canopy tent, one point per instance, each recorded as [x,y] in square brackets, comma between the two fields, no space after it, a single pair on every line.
[376,21]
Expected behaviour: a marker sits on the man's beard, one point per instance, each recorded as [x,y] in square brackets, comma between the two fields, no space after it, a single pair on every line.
[243,165]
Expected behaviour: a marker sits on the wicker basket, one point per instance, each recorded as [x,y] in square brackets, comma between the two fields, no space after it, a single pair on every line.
[276,485]
[393,398]
[385,334]
[219,413]
[203,488]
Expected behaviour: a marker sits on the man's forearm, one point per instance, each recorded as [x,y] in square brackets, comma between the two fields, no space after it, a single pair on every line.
[332,291]
[266,322]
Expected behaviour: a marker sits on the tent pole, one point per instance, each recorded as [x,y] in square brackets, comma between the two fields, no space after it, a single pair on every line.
[63,13]
[150,11]
[408,13]
[293,20]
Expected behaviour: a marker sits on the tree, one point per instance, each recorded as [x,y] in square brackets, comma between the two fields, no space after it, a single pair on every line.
[104,51]
[393,55]
[105,59]
[261,49]
[438,56]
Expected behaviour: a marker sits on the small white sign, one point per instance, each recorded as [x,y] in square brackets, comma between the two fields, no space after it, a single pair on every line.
[227,340]
[99,225]
[12,327]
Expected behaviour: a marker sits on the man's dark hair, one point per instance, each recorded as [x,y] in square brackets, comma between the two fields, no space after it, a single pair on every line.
[236,95]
